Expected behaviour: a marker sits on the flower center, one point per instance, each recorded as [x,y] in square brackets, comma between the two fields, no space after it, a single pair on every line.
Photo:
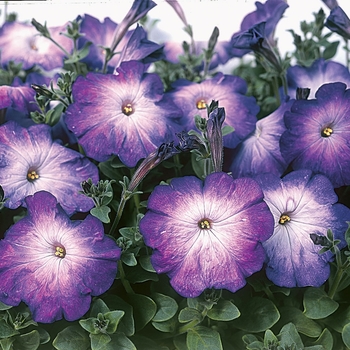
[127,109]
[204,224]
[60,252]
[326,132]
[284,219]
[201,104]
[32,175]
[33,46]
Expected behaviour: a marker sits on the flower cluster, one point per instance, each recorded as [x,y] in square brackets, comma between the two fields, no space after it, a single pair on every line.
[238,182]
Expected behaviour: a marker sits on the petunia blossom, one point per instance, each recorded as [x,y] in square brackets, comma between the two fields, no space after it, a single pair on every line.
[21,43]
[302,204]
[260,151]
[318,132]
[53,264]
[30,162]
[207,234]
[269,12]
[338,22]
[241,110]
[313,77]
[124,114]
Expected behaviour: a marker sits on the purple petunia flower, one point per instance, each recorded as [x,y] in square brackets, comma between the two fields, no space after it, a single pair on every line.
[31,162]
[207,234]
[302,204]
[338,22]
[124,114]
[269,12]
[229,90]
[318,133]
[21,42]
[101,36]
[260,151]
[319,73]
[53,264]
[330,3]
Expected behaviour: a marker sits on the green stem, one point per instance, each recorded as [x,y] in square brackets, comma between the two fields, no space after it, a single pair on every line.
[276,92]
[186,327]
[336,282]
[125,282]
[177,162]
[121,206]
[347,53]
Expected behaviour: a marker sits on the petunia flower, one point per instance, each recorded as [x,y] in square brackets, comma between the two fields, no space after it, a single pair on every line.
[30,162]
[21,42]
[302,204]
[139,9]
[317,134]
[53,264]
[319,73]
[269,12]
[207,234]
[338,22]
[330,3]
[124,114]
[139,48]
[230,91]
[260,151]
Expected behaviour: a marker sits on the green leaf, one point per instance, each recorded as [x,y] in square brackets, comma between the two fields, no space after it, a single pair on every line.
[188,314]
[72,338]
[145,262]
[126,324]
[325,340]
[136,274]
[224,310]
[6,343]
[345,334]
[99,341]
[168,326]
[4,306]
[29,341]
[269,338]
[303,324]
[44,335]
[114,318]
[265,315]
[317,304]
[330,50]
[166,307]
[144,309]
[98,307]
[6,331]
[119,341]
[89,325]
[290,337]
[227,129]
[101,213]
[201,338]
[129,259]
[180,342]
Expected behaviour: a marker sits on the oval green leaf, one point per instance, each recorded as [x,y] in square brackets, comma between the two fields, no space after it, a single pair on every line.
[317,304]
[224,310]
[166,307]
[203,338]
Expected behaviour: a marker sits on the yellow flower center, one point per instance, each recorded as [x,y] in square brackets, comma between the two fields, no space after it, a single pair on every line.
[284,219]
[201,104]
[204,224]
[32,175]
[128,109]
[60,252]
[326,132]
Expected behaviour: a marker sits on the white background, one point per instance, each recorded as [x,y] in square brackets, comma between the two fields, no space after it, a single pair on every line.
[203,15]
